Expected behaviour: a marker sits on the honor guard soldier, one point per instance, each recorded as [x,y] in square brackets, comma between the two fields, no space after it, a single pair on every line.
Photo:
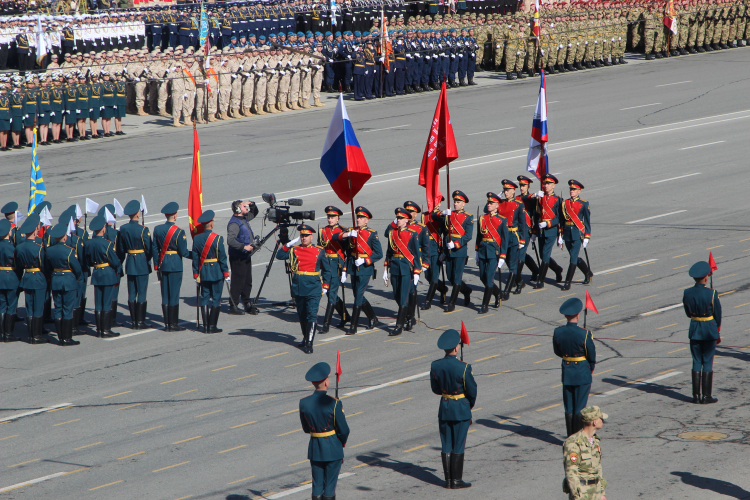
[491,250]
[322,417]
[403,259]
[9,210]
[105,264]
[209,268]
[112,235]
[328,239]
[703,307]
[459,229]
[431,259]
[575,345]
[309,265]
[576,232]
[524,232]
[582,457]
[10,278]
[547,219]
[364,251]
[31,257]
[169,248]
[136,243]
[80,237]
[513,213]
[453,381]
[423,239]
[65,273]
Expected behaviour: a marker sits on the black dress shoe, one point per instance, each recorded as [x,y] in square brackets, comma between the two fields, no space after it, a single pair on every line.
[120,133]
[97,136]
[17,146]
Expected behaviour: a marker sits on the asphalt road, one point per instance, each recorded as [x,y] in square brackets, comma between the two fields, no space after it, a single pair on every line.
[662,151]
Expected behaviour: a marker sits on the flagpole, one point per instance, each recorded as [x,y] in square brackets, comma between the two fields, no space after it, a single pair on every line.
[585,313]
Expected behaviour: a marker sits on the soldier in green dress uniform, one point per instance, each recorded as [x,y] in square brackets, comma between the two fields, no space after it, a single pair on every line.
[112,235]
[547,220]
[31,258]
[136,243]
[65,269]
[328,239]
[459,229]
[491,247]
[10,278]
[209,269]
[576,232]
[403,264]
[105,265]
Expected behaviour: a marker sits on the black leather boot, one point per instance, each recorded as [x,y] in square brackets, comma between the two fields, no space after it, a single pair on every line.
[354,321]
[696,376]
[67,328]
[107,320]
[587,274]
[457,472]
[76,315]
[622,60]
[446,458]
[174,318]
[427,304]
[531,264]
[204,319]
[327,319]
[520,283]
[167,322]
[98,322]
[569,276]
[510,75]
[707,380]
[81,320]
[36,330]
[310,338]
[114,314]
[508,285]
[556,269]
[213,319]
[142,315]
[411,319]
[303,328]
[317,497]
[328,498]
[235,309]
[485,307]
[372,320]
[466,292]
[443,289]
[542,275]
[569,424]
[577,422]
[399,322]
[133,315]
[341,309]
[454,297]
[496,294]
[58,330]
[9,325]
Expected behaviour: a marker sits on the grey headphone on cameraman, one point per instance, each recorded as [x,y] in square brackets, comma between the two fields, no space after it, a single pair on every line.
[237,207]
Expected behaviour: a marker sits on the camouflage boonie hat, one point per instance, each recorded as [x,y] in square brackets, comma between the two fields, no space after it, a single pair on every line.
[591,413]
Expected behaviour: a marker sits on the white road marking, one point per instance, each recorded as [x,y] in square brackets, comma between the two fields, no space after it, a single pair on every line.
[32,481]
[675,178]
[387,128]
[641,106]
[209,154]
[100,192]
[532,105]
[675,83]
[656,311]
[625,267]
[34,412]
[488,131]
[655,217]
[303,161]
[634,384]
[141,332]
[331,339]
[387,384]
[292,491]
[701,145]
[10,184]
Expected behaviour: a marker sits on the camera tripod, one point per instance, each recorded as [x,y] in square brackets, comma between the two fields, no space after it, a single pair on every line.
[253,306]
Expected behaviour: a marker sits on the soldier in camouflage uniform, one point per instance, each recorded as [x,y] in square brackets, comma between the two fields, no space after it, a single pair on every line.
[582,457]
[481,33]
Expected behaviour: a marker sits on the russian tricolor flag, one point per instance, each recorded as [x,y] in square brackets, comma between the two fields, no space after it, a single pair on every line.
[536,160]
[343,161]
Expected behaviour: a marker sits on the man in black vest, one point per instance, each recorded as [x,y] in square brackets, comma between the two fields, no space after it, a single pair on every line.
[240,240]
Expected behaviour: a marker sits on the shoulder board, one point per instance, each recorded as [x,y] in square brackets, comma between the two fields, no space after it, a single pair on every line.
[318,247]
[582,200]
[468,214]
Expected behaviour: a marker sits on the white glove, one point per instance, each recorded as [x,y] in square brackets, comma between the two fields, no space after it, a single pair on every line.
[359,261]
[585,242]
[560,241]
[52,113]
[447,211]
[325,291]
[416,279]
[521,246]
[343,277]
[367,72]
[542,225]
[353,233]
[90,111]
[43,113]
[424,269]
[540,194]
[451,245]
[500,263]
[385,276]
[282,72]
[292,242]
[227,279]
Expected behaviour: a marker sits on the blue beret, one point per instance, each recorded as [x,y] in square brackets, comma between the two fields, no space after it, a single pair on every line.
[460,195]
[328,33]
[402,213]
[59,231]
[449,339]
[38,209]
[31,222]
[571,307]
[366,33]
[272,35]
[347,33]
[250,34]
[507,183]
[522,179]
[132,208]
[206,216]
[233,37]
[308,33]
[357,33]
[291,33]
[318,372]
[4,227]
[170,208]
[262,37]
[97,223]
[363,212]
[10,207]
[549,177]
[700,269]
[412,206]
[331,210]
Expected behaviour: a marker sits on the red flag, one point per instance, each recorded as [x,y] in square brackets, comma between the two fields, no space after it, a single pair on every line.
[195,196]
[464,334]
[439,151]
[712,262]
[590,303]
[339,371]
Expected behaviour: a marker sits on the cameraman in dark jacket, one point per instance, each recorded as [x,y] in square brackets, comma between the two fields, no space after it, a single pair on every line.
[240,240]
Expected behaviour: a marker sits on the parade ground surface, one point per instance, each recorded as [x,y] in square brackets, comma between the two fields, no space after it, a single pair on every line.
[662,150]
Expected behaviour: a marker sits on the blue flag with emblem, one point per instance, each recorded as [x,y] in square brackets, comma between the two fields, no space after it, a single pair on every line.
[37,191]
[203,26]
